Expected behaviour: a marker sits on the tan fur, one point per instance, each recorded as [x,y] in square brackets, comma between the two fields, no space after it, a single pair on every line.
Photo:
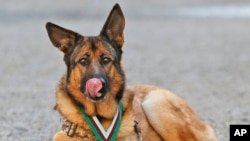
[171,117]
[160,114]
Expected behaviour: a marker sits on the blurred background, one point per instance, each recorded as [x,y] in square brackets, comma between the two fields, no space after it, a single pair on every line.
[197,49]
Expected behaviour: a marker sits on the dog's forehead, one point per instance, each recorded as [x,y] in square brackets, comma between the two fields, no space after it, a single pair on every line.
[95,45]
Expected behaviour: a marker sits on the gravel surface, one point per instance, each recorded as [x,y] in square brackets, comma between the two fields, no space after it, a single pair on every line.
[204,59]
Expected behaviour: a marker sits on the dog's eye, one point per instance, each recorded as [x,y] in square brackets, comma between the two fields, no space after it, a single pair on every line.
[105,60]
[84,61]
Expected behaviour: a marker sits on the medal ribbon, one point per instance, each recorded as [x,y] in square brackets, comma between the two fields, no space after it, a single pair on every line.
[98,129]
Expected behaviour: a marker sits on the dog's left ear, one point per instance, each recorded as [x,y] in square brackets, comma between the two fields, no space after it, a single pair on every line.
[114,26]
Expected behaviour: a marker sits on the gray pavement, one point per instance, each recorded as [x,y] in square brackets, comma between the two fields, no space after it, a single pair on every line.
[203,58]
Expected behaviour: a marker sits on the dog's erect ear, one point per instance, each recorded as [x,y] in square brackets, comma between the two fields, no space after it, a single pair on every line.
[114,26]
[62,38]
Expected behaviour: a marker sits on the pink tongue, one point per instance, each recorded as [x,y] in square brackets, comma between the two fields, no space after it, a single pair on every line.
[93,86]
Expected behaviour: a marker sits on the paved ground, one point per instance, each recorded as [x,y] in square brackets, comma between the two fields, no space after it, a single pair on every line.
[204,59]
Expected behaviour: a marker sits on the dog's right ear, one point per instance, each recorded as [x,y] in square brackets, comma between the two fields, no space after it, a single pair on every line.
[62,38]
[114,26]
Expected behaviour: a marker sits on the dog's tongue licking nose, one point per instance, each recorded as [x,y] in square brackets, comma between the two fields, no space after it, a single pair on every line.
[93,86]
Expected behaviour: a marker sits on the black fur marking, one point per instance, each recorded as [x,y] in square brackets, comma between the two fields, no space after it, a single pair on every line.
[67,58]
[117,49]
[92,40]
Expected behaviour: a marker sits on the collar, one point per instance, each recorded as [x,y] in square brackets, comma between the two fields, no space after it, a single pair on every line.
[73,130]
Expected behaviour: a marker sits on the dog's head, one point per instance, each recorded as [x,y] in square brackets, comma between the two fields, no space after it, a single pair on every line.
[93,62]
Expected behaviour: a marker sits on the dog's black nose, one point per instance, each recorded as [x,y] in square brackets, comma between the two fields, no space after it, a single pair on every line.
[103,81]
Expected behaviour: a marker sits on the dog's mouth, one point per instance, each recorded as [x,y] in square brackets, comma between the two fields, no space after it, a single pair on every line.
[94,89]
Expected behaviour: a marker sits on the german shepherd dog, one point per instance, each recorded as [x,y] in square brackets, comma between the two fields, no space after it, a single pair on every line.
[95,103]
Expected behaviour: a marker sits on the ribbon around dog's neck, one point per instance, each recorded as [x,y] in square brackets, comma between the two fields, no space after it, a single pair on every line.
[98,129]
